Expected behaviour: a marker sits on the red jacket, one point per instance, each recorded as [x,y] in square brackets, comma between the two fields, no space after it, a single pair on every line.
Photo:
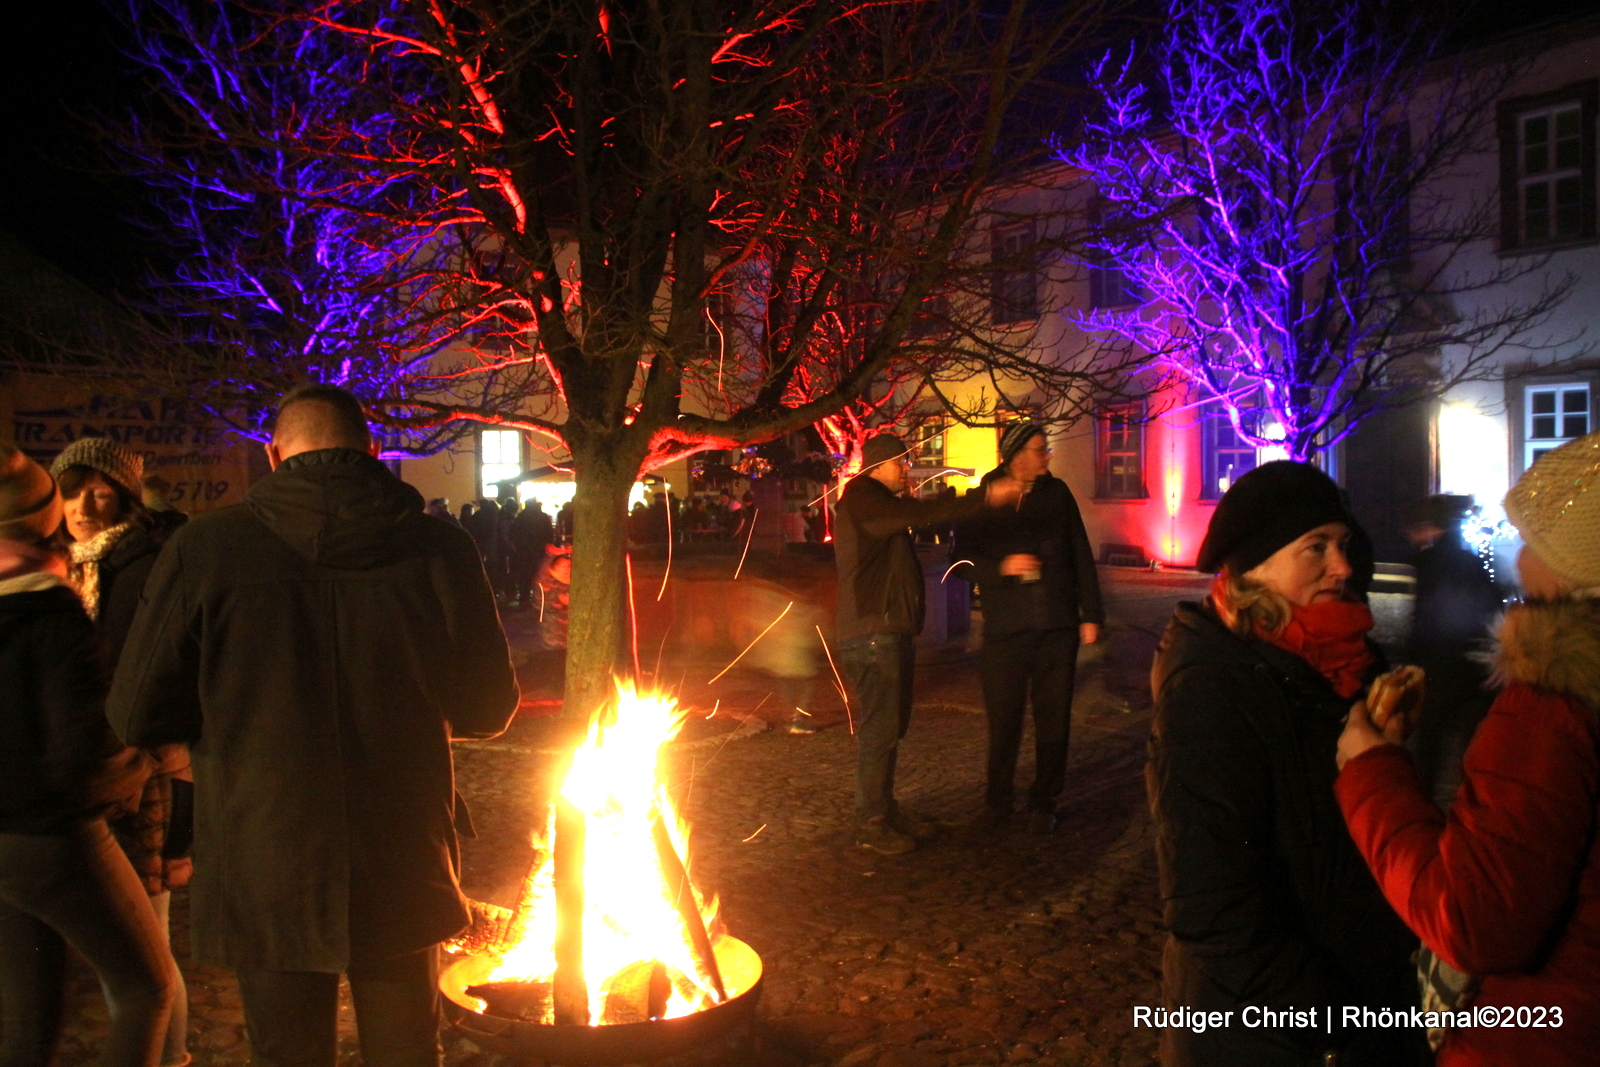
[1507,886]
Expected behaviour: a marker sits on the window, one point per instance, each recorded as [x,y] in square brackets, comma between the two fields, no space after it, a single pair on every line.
[1547,167]
[1224,454]
[1014,280]
[1109,286]
[1120,442]
[1552,416]
[499,459]
[928,443]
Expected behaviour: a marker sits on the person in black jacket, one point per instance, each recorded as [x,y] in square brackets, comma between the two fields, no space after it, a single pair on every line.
[1041,598]
[880,615]
[113,541]
[1456,603]
[62,877]
[1267,901]
[320,646]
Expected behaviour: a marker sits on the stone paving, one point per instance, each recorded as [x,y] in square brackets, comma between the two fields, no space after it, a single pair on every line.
[1012,948]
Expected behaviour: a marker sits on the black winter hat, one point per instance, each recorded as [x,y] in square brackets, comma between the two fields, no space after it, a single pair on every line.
[881,448]
[1266,509]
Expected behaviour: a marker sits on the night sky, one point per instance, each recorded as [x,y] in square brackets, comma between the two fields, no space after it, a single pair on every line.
[57,192]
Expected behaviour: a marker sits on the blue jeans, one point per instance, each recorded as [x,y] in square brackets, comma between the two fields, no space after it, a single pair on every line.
[881,669]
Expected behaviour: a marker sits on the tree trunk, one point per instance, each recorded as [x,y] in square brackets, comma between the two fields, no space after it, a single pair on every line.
[597,620]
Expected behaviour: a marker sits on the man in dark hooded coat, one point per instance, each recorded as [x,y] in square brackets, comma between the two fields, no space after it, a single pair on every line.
[319,647]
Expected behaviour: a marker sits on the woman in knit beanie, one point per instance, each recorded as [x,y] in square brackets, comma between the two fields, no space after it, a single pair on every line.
[114,540]
[1267,901]
[1504,890]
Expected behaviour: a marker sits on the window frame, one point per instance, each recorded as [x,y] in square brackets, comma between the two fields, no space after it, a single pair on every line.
[1518,389]
[1214,417]
[1561,390]
[1005,309]
[1134,427]
[1585,95]
[486,464]
[1109,285]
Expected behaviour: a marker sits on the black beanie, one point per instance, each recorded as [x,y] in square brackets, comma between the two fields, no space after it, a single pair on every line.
[881,448]
[1267,508]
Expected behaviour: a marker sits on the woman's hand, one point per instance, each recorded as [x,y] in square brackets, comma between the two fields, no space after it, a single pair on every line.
[1360,735]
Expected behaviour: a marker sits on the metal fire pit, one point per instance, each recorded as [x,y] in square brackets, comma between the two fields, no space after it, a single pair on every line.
[579,1046]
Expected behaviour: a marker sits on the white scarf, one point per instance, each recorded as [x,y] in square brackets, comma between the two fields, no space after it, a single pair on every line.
[83,574]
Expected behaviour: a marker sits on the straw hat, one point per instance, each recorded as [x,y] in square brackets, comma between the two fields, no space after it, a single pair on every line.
[1555,505]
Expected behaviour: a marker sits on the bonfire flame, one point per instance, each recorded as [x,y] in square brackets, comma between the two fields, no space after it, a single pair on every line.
[613,853]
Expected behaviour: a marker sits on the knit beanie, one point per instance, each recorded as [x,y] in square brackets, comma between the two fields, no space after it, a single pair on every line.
[881,448]
[1267,508]
[1015,436]
[1555,505]
[118,462]
[30,503]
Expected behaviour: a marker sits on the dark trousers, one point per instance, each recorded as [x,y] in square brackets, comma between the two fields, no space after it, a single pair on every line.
[1036,664]
[78,888]
[881,669]
[291,1016]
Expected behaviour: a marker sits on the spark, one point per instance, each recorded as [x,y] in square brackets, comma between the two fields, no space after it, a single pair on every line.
[714,708]
[837,681]
[753,644]
[752,837]
[668,572]
[953,566]
[633,617]
[755,513]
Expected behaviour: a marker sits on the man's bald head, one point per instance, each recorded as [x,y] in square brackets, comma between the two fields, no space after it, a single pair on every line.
[313,417]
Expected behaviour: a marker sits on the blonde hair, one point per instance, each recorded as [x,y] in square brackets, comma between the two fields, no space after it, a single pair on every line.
[1246,603]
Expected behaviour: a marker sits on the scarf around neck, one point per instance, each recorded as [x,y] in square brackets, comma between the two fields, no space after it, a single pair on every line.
[1331,636]
[83,573]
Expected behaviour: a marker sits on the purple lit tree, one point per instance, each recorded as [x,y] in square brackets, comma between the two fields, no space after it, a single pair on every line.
[537,216]
[1290,184]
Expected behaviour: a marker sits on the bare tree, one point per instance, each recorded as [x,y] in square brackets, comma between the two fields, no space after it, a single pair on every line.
[529,215]
[1284,180]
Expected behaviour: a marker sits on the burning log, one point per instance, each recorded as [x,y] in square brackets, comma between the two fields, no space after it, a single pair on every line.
[636,994]
[677,878]
[570,990]
[526,1001]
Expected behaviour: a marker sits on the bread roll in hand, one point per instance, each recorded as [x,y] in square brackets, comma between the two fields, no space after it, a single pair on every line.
[1399,692]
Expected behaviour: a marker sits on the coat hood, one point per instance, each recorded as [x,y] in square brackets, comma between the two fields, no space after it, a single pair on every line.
[1553,645]
[337,507]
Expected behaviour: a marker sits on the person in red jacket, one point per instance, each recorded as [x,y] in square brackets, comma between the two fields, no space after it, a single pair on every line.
[1506,887]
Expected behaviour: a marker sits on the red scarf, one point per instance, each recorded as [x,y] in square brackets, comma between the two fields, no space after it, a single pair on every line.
[1329,635]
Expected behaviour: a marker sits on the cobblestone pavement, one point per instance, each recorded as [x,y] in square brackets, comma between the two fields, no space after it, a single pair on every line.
[1011,948]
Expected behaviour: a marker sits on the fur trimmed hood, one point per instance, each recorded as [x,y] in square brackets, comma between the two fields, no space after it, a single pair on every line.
[1553,645]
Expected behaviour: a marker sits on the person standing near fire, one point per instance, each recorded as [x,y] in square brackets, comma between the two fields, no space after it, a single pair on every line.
[319,647]
[880,614]
[1041,599]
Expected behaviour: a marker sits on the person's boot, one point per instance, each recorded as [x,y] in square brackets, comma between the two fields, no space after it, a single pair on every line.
[916,829]
[879,836]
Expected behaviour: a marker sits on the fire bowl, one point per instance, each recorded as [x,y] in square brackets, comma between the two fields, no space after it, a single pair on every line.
[579,1046]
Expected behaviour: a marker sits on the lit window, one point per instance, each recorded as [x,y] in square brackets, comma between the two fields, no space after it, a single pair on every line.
[1120,440]
[929,447]
[499,459]
[1547,155]
[1554,415]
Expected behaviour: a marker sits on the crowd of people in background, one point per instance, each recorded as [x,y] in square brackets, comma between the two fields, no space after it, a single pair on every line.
[261,700]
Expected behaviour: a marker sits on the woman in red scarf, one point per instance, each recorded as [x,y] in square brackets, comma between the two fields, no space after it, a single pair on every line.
[1272,913]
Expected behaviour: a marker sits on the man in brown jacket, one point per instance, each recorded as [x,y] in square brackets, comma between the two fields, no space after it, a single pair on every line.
[319,647]
[880,615]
